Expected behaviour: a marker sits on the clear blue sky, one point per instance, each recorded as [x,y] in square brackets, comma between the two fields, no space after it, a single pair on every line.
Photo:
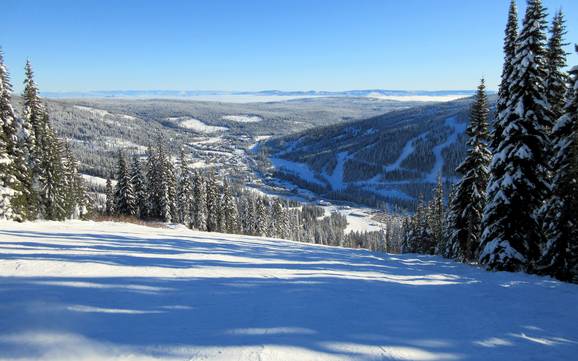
[260,44]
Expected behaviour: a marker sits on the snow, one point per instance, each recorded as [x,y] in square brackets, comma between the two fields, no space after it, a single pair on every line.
[298,169]
[100,112]
[243,118]
[98,181]
[80,291]
[336,177]
[196,125]
[457,129]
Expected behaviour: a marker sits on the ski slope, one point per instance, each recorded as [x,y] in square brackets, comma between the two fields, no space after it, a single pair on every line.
[108,291]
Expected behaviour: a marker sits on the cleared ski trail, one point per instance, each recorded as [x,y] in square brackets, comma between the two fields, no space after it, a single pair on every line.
[104,291]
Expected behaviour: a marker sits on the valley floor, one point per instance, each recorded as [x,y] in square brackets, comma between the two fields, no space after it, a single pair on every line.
[108,291]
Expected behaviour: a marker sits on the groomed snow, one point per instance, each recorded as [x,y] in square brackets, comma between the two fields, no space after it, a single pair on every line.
[243,118]
[196,125]
[80,291]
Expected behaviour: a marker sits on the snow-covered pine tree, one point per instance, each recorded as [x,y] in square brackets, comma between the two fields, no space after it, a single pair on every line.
[437,216]
[109,194]
[560,257]
[138,183]
[449,240]
[510,36]
[199,206]
[153,181]
[124,199]
[10,186]
[51,179]
[75,196]
[184,191]
[30,133]
[213,203]
[7,193]
[470,197]
[261,219]
[518,183]
[557,79]
[230,212]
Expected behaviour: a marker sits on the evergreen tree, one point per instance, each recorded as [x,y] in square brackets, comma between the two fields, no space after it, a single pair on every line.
[510,36]
[199,206]
[557,79]
[213,204]
[124,199]
[10,187]
[260,226]
[109,205]
[167,186]
[184,191]
[470,198]
[230,212]
[560,257]
[153,171]
[51,174]
[139,187]
[437,216]
[518,182]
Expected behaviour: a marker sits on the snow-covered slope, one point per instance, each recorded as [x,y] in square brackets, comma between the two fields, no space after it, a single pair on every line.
[105,291]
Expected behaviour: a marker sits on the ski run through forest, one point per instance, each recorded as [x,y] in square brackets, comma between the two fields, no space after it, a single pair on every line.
[514,208]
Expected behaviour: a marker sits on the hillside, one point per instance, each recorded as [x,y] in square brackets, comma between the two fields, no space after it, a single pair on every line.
[109,291]
[391,157]
[216,133]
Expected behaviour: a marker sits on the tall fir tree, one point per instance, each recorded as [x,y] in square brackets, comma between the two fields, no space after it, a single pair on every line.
[184,191]
[560,257]
[557,79]
[230,212]
[109,201]
[124,199]
[470,197]
[10,187]
[199,206]
[138,183]
[153,177]
[51,181]
[518,172]
[510,36]
[437,216]
[213,203]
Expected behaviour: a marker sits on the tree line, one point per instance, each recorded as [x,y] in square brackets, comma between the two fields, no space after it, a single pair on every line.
[515,207]
[157,188]
[39,176]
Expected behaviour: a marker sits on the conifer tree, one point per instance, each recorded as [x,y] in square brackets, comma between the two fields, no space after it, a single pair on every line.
[153,177]
[10,187]
[260,226]
[124,199]
[213,203]
[557,79]
[109,204]
[437,216]
[510,36]
[518,185]
[230,212]
[199,206]
[139,187]
[51,179]
[184,191]
[560,257]
[470,197]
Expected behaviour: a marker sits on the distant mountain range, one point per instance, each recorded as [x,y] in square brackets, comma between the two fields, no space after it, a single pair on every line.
[280,93]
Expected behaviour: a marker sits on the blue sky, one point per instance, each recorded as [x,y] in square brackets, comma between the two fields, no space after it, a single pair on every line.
[260,44]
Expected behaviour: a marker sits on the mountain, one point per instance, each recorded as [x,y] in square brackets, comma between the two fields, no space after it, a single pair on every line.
[390,158]
[116,291]
[272,93]
[214,133]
